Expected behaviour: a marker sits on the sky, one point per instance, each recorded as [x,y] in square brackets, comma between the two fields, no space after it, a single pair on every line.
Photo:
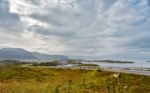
[109,29]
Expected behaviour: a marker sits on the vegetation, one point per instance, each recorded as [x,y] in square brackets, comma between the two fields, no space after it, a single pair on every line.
[74,61]
[53,63]
[115,61]
[108,61]
[88,65]
[13,63]
[48,80]
[148,70]
[10,62]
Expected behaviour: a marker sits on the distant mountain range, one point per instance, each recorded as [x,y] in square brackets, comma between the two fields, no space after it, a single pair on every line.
[24,55]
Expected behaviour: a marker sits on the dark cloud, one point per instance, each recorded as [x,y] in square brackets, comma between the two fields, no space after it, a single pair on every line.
[8,21]
[134,2]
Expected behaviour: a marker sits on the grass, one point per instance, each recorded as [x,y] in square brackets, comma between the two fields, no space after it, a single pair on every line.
[48,80]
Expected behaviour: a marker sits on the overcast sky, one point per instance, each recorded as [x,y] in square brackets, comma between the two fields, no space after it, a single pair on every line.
[101,28]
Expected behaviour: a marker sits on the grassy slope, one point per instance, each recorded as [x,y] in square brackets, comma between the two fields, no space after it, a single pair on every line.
[44,80]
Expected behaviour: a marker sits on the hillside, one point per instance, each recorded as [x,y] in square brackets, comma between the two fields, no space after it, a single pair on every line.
[16,54]
[47,57]
[24,55]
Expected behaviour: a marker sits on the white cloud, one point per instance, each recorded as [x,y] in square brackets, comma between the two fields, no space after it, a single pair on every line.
[81,27]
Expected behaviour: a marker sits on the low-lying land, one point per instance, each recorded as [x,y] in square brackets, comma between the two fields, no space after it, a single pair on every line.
[109,61]
[48,80]
[115,61]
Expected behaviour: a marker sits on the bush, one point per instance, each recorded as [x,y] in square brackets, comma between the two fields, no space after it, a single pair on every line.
[99,70]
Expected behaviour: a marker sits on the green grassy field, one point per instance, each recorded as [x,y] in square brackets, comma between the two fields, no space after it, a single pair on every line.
[46,80]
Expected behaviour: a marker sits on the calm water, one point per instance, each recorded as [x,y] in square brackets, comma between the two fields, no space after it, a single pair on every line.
[139,64]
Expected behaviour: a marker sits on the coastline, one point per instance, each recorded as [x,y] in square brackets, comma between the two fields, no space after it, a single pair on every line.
[138,72]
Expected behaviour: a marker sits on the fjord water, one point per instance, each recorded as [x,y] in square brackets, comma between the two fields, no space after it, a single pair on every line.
[136,64]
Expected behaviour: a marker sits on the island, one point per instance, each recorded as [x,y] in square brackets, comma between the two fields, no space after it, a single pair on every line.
[109,61]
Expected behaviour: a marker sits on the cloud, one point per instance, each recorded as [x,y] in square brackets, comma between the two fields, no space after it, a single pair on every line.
[7,20]
[105,28]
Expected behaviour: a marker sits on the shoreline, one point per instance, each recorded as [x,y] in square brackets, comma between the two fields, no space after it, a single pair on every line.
[138,72]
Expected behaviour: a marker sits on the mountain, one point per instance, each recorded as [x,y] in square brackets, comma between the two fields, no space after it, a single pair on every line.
[16,54]
[47,57]
[24,55]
